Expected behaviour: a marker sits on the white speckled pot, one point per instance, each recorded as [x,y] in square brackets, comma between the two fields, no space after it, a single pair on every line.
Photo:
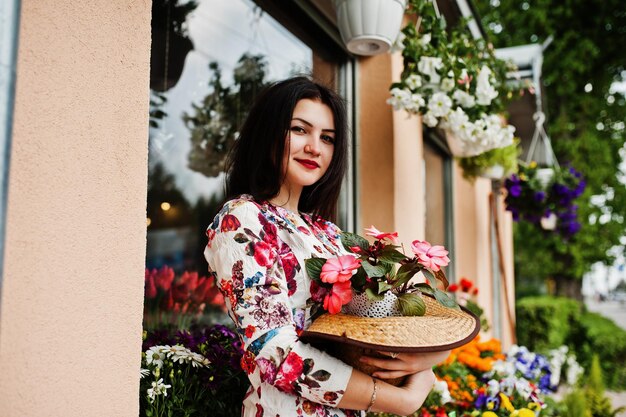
[362,306]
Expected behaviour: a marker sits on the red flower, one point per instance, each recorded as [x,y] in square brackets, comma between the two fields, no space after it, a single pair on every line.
[164,278]
[210,234]
[150,289]
[453,287]
[475,291]
[264,254]
[289,372]
[392,237]
[466,284]
[229,223]
[340,294]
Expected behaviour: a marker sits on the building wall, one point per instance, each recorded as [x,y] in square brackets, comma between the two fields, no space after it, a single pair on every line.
[70,324]
[391,192]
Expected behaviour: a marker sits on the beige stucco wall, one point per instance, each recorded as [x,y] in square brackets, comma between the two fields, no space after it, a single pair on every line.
[70,324]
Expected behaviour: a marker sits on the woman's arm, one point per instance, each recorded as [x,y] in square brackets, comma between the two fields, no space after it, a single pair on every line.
[403,400]
[404,363]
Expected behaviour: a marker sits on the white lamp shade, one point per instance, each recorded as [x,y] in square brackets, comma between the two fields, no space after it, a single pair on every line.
[369,27]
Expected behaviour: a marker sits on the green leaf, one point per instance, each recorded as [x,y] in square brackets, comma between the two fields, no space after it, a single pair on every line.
[321,375]
[445,300]
[308,365]
[359,279]
[411,305]
[374,271]
[351,239]
[406,272]
[314,267]
[383,286]
[390,254]
[373,296]
[424,287]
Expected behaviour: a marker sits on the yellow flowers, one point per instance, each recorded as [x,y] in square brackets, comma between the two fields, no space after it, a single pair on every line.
[489,414]
[506,403]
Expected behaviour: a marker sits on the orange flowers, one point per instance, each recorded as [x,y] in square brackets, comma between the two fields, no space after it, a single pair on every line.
[477,355]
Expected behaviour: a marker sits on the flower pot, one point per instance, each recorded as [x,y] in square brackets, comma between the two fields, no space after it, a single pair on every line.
[459,148]
[369,27]
[362,306]
[494,172]
[545,175]
[549,222]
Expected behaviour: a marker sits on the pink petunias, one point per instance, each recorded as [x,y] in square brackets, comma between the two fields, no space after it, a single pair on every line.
[432,257]
[339,269]
[372,231]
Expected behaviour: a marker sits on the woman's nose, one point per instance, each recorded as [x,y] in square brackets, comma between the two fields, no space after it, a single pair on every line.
[313,146]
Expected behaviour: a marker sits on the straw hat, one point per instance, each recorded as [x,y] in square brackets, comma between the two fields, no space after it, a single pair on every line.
[440,328]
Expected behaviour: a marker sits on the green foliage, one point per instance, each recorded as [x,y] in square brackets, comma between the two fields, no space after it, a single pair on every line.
[597,335]
[587,128]
[474,166]
[575,404]
[599,405]
[545,323]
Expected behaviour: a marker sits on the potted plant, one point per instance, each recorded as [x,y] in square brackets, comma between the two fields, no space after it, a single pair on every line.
[494,164]
[550,205]
[369,27]
[455,82]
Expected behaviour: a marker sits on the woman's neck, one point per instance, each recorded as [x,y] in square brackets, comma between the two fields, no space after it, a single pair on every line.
[287,198]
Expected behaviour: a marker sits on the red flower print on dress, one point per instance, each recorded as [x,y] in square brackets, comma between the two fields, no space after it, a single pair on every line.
[250,329]
[210,234]
[248,364]
[230,223]
[290,267]
[289,372]
[264,254]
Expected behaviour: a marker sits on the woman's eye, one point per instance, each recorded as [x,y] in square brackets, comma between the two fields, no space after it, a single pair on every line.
[297,129]
[328,139]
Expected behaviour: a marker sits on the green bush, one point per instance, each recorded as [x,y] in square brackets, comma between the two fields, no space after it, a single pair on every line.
[597,335]
[545,323]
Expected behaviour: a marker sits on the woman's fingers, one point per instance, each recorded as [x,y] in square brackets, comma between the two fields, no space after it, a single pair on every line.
[390,374]
[386,363]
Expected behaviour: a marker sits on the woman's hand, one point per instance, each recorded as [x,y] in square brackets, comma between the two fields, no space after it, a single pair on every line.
[417,387]
[403,364]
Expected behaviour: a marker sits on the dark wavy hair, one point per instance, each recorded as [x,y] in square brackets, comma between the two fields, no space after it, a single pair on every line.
[255,164]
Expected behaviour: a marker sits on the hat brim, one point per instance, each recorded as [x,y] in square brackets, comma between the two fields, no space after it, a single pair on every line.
[440,328]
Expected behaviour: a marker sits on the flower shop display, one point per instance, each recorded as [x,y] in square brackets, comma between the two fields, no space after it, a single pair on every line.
[178,300]
[478,379]
[192,373]
[549,203]
[455,82]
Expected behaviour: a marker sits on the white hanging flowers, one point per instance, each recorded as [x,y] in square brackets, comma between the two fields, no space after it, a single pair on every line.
[453,82]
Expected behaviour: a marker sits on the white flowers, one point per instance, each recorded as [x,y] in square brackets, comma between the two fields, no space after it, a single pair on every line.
[485,92]
[158,388]
[405,99]
[464,99]
[428,66]
[441,387]
[165,356]
[440,105]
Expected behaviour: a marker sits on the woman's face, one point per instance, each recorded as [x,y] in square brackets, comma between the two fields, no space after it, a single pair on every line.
[309,145]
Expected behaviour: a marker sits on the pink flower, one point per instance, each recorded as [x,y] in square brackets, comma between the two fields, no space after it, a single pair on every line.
[372,231]
[340,294]
[150,287]
[339,269]
[432,257]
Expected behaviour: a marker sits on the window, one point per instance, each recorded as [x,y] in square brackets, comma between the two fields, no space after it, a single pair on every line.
[438,192]
[209,60]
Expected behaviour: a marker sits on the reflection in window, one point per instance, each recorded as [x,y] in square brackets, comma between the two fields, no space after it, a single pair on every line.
[206,71]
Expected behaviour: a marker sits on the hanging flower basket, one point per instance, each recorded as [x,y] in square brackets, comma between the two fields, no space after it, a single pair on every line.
[369,27]
[494,164]
[550,206]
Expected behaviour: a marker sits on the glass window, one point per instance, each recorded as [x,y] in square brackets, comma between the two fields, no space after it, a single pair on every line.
[210,58]
[438,193]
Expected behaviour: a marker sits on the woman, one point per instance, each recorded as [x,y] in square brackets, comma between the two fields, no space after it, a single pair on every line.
[285,174]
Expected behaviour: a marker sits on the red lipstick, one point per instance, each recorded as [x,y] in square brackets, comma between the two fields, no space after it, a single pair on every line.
[307,163]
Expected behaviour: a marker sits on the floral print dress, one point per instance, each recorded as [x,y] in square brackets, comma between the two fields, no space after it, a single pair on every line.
[257,252]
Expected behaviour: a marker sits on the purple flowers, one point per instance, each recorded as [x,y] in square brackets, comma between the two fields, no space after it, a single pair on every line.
[530,200]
